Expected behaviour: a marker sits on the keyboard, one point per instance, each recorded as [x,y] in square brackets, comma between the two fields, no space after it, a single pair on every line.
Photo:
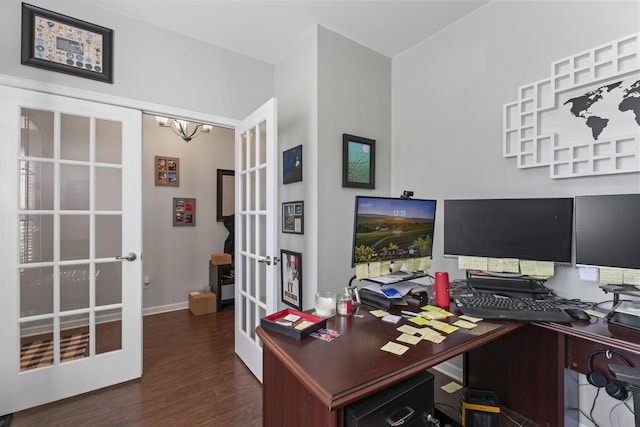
[489,306]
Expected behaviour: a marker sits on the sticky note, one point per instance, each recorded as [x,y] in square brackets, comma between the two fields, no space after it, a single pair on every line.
[469,318]
[631,277]
[385,267]
[464,324]
[611,276]
[594,313]
[418,320]
[436,309]
[362,271]
[437,339]
[433,315]
[303,325]
[588,274]
[394,348]
[409,339]
[374,269]
[452,387]
[378,313]
[407,329]
[472,263]
[425,263]
[443,327]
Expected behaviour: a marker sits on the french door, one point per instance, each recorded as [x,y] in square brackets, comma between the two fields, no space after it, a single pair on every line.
[70,312]
[255,230]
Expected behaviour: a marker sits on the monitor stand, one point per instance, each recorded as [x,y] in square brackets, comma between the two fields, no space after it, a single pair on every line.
[488,282]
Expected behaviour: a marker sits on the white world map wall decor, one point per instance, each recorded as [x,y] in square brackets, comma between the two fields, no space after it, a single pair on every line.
[582,120]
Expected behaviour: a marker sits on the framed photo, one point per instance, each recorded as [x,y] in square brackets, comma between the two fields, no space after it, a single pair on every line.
[291,278]
[292,165]
[358,162]
[167,171]
[67,45]
[293,217]
[184,211]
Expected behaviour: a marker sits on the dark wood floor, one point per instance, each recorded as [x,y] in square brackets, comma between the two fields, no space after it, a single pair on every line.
[191,376]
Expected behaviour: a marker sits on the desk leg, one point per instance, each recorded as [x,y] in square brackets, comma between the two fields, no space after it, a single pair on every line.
[287,403]
[526,369]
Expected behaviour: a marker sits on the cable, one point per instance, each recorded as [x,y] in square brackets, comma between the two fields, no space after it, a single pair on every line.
[511,419]
[624,403]
[593,405]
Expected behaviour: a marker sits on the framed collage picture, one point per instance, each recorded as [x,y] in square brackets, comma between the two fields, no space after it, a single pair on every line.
[184,211]
[291,278]
[293,217]
[167,171]
[57,42]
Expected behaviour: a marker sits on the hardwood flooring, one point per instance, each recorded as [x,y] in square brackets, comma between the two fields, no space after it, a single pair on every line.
[191,377]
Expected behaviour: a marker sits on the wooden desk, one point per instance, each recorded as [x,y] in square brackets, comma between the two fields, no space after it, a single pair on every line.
[309,382]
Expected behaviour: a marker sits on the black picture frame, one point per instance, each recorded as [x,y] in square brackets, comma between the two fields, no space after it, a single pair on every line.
[225,200]
[85,51]
[184,211]
[292,165]
[293,217]
[291,278]
[358,162]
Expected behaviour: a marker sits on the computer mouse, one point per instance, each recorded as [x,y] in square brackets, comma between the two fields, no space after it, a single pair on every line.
[577,314]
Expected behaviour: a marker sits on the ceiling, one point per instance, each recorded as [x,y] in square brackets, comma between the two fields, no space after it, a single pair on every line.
[267,29]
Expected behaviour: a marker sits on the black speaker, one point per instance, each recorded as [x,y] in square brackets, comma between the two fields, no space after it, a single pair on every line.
[598,379]
[406,404]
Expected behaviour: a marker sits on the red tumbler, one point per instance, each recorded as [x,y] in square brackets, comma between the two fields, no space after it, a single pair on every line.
[441,290]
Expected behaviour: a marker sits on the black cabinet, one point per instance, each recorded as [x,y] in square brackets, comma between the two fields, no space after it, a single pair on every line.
[222,283]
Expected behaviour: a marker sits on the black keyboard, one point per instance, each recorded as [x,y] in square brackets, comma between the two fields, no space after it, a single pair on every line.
[489,306]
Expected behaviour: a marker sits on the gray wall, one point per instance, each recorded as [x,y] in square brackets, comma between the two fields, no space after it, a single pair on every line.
[448,94]
[177,258]
[150,64]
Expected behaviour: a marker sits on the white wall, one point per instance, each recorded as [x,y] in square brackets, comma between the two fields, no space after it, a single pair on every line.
[150,64]
[177,258]
[448,93]
[296,88]
[354,97]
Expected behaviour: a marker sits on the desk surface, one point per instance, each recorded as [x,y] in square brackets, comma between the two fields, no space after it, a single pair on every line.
[353,366]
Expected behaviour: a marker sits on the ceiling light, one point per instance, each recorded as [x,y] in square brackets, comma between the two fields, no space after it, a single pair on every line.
[182,127]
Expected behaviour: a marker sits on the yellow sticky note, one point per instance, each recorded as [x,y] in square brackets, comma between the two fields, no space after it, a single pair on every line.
[432,315]
[469,318]
[611,276]
[433,308]
[412,264]
[425,263]
[407,329]
[378,313]
[362,271]
[537,268]
[452,387]
[631,277]
[385,267]
[464,324]
[443,327]
[435,338]
[428,332]
[472,263]
[594,313]
[394,348]
[397,265]
[419,320]
[374,269]
[409,339]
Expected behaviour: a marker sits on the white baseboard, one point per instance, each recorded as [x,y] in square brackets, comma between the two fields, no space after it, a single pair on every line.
[451,368]
[165,308]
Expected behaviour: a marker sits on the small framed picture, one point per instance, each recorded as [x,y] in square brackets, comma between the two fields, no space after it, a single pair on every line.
[184,211]
[167,171]
[292,165]
[293,217]
[353,291]
[291,278]
[358,162]
[57,42]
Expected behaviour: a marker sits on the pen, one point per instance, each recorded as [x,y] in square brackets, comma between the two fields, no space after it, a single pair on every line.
[410,313]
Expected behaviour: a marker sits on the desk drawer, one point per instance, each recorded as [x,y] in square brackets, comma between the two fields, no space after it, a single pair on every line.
[579,349]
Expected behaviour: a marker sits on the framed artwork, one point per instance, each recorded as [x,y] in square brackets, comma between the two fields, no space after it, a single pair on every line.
[292,165]
[167,171]
[293,217]
[353,292]
[226,200]
[184,211]
[291,278]
[358,162]
[67,45]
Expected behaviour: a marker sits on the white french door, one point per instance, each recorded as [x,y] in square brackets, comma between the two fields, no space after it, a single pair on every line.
[70,312]
[255,230]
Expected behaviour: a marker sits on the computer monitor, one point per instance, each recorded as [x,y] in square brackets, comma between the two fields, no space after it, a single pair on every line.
[387,229]
[537,229]
[608,231]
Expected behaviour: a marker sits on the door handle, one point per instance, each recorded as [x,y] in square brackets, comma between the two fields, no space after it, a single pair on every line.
[128,257]
[265,260]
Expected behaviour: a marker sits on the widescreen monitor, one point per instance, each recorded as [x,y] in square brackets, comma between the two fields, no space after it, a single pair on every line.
[608,231]
[387,229]
[537,229]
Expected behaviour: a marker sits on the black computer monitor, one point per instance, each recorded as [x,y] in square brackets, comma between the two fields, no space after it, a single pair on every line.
[387,228]
[608,231]
[538,229]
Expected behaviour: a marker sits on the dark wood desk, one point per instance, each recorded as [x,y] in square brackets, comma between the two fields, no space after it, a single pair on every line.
[309,382]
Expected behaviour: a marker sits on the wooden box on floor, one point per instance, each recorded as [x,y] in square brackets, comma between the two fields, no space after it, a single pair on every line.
[202,302]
